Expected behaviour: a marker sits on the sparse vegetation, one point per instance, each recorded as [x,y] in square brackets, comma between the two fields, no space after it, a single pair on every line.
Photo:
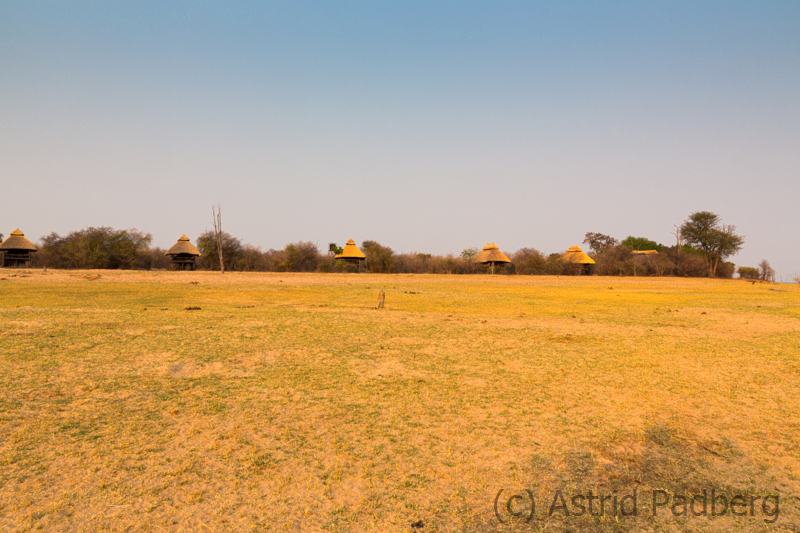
[144,401]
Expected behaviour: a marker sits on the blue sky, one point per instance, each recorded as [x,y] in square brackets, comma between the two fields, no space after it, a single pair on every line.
[427,126]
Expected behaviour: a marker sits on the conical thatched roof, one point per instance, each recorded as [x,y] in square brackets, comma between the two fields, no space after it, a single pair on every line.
[491,254]
[351,251]
[183,246]
[644,252]
[17,241]
[574,254]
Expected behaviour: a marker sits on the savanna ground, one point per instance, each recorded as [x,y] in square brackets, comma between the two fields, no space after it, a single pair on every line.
[195,401]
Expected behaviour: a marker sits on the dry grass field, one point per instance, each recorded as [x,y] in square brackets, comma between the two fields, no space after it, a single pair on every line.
[195,401]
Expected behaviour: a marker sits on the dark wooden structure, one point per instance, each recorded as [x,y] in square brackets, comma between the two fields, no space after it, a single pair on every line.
[17,250]
[183,254]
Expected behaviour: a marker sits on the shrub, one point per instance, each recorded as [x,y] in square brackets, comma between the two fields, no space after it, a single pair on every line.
[379,258]
[412,263]
[209,256]
[301,256]
[615,261]
[748,273]
[155,259]
[725,270]
[102,247]
[251,259]
[530,261]
[688,262]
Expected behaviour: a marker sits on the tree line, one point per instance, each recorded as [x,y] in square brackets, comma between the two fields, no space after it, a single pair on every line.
[703,246]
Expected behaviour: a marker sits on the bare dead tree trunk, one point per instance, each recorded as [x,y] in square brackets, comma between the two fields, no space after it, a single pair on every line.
[677,234]
[216,215]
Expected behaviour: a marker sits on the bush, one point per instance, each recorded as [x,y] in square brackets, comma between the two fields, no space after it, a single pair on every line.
[531,262]
[209,256]
[615,261]
[380,258]
[156,259]
[748,273]
[688,262]
[251,259]
[725,270]
[103,247]
[412,263]
[301,256]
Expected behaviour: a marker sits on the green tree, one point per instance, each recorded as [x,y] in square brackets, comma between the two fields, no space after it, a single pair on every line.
[748,273]
[641,243]
[469,253]
[705,231]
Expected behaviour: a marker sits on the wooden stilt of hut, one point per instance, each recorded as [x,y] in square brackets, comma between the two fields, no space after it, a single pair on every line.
[183,254]
[491,255]
[17,250]
[574,254]
[351,254]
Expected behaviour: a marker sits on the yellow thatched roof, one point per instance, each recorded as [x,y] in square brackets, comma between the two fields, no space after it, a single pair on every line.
[17,241]
[574,254]
[351,251]
[183,246]
[645,252]
[491,254]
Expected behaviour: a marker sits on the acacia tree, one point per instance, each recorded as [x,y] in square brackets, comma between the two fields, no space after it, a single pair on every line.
[599,243]
[705,231]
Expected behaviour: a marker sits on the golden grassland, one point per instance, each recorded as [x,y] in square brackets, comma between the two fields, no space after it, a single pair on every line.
[287,403]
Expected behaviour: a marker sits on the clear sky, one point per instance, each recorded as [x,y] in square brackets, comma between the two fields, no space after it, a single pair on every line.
[427,126]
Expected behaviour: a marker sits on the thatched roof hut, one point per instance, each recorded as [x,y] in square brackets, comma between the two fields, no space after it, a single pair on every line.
[17,250]
[574,254]
[644,252]
[491,255]
[183,254]
[351,253]
[183,247]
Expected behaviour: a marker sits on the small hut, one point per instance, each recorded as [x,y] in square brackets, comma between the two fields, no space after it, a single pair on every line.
[574,254]
[17,250]
[183,254]
[351,254]
[491,255]
[644,252]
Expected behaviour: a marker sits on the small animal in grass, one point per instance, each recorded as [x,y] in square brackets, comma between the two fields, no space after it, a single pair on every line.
[417,525]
